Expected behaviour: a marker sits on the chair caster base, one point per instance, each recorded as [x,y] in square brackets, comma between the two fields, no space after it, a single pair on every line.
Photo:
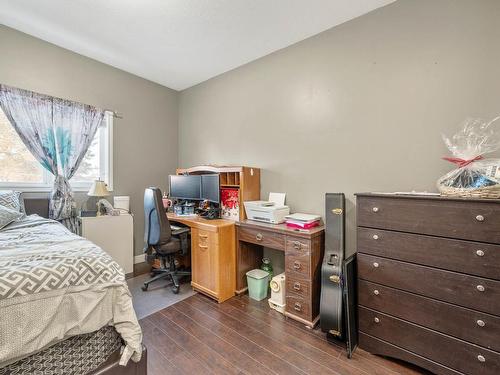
[175,289]
[144,287]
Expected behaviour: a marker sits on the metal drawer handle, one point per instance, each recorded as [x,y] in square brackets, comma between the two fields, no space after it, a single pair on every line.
[480,288]
[481,323]
[259,236]
[296,285]
[480,253]
[296,245]
[376,320]
[375,264]
[376,292]
[480,218]
[296,265]
[375,209]
[481,358]
[375,237]
[297,306]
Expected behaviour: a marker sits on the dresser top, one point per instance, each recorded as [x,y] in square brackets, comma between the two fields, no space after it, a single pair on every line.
[430,197]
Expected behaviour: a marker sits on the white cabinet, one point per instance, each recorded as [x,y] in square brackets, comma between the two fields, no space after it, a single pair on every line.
[113,234]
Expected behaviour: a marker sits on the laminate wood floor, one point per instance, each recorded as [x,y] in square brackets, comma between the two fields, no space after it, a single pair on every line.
[242,336]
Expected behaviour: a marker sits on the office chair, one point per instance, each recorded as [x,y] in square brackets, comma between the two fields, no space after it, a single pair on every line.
[161,241]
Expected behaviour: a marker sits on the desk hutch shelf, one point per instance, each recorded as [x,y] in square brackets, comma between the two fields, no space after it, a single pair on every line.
[246,180]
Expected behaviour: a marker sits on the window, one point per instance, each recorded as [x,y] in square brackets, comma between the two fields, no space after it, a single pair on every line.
[19,170]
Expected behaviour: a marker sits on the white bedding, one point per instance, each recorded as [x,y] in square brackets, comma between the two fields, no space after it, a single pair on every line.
[55,284]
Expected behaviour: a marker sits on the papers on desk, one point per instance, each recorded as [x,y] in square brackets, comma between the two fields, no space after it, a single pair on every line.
[302,221]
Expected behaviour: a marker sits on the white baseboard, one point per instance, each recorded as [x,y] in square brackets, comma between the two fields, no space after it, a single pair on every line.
[139,259]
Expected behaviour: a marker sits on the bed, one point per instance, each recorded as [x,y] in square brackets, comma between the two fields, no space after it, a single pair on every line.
[64,304]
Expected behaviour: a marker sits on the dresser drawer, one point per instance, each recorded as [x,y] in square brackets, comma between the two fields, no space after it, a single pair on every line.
[476,220]
[464,290]
[298,264]
[469,325]
[380,347]
[263,237]
[298,306]
[299,286]
[449,351]
[456,255]
[298,245]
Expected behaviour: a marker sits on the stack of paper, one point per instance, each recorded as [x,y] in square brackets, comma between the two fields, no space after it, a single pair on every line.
[302,221]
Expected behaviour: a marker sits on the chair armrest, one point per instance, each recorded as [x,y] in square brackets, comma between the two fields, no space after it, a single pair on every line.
[180,231]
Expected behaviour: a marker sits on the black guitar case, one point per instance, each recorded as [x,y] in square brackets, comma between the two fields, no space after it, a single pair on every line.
[338,299]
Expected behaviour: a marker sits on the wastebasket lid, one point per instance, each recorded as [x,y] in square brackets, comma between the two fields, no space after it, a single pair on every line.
[258,273]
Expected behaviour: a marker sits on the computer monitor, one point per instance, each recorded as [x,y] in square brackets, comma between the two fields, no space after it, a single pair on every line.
[210,187]
[185,187]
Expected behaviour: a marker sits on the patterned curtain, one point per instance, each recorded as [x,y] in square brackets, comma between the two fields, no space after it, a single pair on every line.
[58,133]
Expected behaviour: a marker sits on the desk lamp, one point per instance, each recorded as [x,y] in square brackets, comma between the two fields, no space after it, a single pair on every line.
[98,189]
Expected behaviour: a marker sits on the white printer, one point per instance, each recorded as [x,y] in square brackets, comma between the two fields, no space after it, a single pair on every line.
[272,211]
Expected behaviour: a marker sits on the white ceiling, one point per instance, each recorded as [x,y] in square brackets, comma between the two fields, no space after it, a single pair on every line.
[178,43]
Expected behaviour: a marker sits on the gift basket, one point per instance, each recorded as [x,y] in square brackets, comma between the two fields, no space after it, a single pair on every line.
[475,176]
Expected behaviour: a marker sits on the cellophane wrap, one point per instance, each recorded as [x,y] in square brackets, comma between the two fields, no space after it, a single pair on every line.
[475,139]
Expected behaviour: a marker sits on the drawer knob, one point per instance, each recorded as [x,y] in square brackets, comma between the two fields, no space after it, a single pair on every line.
[375,264]
[480,253]
[296,265]
[480,218]
[375,237]
[258,236]
[297,306]
[375,209]
[481,323]
[376,320]
[296,245]
[481,358]
[480,288]
[296,285]
[376,292]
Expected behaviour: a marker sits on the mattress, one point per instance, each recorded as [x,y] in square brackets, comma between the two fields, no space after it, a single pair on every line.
[78,355]
[55,285]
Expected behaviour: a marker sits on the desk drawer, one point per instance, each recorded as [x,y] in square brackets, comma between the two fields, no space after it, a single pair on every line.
[464,290]
[469,325]
[263,237]
[298,264]
[298,306]
[296,244]
[478,221]
[456,255]
[443,349]
[297,285]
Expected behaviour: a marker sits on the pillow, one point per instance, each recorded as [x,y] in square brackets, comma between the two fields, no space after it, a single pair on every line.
[12,199]
[8,215]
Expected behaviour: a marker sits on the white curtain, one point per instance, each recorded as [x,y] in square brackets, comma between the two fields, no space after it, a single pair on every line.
[58,133]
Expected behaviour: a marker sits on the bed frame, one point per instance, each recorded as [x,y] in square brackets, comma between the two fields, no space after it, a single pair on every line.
[111,366]
[40,206]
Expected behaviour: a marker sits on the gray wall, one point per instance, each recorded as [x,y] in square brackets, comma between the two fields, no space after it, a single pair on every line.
[145,140]
[360,107]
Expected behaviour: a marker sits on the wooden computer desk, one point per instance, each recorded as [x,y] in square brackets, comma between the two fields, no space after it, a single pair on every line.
[303,257]
[213,255]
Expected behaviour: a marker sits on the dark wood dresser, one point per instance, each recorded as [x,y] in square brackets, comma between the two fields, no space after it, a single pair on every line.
[429,281]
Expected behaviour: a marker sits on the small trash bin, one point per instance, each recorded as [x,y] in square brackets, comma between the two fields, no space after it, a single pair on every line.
[257,281]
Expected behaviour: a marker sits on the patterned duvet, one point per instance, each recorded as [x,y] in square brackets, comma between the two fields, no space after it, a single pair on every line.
[54,285]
